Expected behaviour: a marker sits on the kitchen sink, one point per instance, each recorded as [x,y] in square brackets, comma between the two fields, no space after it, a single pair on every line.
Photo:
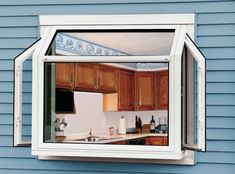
[94,139]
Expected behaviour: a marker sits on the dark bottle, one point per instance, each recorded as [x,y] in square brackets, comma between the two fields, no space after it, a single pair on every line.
[139,129]
[152,125]
[140,123]
[136,122]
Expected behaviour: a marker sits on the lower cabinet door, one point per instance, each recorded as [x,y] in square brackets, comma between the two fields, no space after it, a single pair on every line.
[120,142]
[157,141]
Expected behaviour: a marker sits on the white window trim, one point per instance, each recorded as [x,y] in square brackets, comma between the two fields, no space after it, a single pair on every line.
[51,23]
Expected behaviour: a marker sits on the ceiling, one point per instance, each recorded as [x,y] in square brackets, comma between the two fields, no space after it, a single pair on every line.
[132,43]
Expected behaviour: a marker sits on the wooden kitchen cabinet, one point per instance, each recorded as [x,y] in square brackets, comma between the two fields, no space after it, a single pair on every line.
[107,78]
[124,99]
[85,76]
[160,141]
[145,91]
[95,77]
[119,142]
[165,140]
[126,90]
[162,90]
[65,75]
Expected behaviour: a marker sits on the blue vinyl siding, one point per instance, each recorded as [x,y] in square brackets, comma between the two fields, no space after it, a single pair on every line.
[215,36]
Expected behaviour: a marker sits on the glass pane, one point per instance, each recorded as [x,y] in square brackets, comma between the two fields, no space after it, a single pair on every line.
[112,43]
[85,102]
[49,102]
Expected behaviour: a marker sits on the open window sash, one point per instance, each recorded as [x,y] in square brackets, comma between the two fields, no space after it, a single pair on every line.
[193,97]
[18,85]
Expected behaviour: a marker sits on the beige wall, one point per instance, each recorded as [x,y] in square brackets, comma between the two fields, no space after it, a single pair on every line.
[89,114]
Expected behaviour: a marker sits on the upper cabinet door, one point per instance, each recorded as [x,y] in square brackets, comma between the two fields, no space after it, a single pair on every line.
[193,97]
[86,76]
[65,75]
[145,90]
[107,80]
[161,85]
[126,90]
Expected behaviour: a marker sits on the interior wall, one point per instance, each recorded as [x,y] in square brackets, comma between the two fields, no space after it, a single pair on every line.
[89,114]
[112,118]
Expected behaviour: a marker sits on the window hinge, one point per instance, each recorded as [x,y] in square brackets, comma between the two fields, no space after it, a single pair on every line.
[18,121]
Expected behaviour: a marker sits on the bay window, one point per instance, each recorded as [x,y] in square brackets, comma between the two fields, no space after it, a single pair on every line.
[116,87]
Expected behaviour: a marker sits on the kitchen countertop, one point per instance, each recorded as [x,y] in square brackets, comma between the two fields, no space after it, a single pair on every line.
[106,139]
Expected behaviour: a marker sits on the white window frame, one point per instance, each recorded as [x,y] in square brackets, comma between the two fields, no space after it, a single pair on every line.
[201,110]
[18,85]
[182,23]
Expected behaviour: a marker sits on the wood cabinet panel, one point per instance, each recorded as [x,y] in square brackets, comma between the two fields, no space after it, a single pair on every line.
[165,140]
[64,75]
[120,142]
[157,140]
[131,90]
[86,76]
[126,91]
[145,90]
[162,86]
[107,80]
[161,141]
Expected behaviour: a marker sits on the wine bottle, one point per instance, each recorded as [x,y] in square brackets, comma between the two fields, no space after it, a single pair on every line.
[152,125]
[140,125]
[136,122]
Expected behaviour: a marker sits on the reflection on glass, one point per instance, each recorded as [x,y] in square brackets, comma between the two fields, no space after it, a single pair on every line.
[112,43]
[106,103]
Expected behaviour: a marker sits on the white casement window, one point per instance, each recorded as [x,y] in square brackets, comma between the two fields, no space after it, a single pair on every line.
[89,71]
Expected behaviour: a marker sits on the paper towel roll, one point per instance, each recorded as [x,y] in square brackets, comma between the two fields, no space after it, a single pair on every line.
[122,126]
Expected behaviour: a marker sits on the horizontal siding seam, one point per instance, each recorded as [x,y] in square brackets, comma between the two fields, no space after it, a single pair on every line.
[203,24]
[119,2]
[203,47]
[88,171]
